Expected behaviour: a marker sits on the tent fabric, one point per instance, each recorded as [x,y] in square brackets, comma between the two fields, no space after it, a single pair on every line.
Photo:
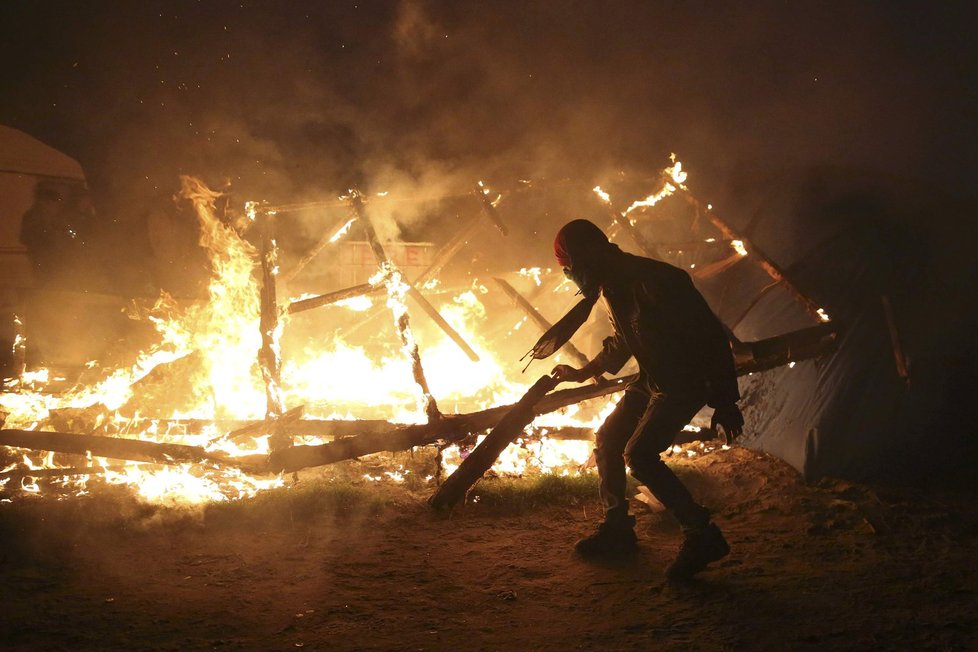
[849,414]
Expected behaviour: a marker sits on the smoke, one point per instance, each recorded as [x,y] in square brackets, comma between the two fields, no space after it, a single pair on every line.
[291,103]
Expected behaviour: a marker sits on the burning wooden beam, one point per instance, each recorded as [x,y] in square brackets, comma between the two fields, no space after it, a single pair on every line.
[273,425]
[490,211]
[780,350]
[332,297]
[269,356]
[327,239]
[135,450]
[21,472]
[451,427]
[481,459]
[538,319]
[401,317]
[769,266]
[293,427]
[412,291]
[622,221]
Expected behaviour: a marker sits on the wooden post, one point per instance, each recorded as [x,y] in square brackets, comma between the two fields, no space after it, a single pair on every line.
[402,321]
[269,356]
[899,358]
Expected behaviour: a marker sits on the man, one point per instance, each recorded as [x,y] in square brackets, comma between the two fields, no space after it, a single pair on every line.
[685,362]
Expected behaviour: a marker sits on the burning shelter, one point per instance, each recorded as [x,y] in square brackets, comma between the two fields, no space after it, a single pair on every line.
[245,384]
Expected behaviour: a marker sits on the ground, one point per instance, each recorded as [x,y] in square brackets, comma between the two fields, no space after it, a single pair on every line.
[335,566]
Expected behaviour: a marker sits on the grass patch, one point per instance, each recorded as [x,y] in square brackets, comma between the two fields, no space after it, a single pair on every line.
[309,500]
[522,494]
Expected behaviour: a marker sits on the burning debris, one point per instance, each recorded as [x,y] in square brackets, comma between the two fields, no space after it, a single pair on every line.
[217,362]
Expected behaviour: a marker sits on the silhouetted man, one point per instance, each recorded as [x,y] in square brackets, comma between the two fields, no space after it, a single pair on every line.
[685,362]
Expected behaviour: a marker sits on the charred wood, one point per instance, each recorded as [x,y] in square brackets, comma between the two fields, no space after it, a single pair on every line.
[483,456]
[780,350]
[122,449]
[413,292]
[451,427]
[326,299]
[58,473]
[273,425]
[269,358]
[489,209]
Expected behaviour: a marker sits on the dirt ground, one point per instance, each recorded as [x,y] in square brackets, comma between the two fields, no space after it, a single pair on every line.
[332,566]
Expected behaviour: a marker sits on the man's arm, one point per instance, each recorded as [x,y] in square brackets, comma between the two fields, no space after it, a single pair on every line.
[613,356]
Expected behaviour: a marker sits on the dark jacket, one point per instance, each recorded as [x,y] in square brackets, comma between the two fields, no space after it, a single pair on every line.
[661,318]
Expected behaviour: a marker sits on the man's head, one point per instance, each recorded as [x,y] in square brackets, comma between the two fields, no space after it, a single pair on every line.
[582,249]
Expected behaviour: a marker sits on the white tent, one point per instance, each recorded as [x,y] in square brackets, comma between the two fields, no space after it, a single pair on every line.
[25,161]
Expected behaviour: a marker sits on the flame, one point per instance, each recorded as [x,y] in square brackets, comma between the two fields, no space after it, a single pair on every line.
[676,178]
[218,341]
[532,273]
[652,199]
[343,230]
[676,172]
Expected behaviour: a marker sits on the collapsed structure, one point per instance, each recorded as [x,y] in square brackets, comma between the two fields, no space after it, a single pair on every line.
[741,282]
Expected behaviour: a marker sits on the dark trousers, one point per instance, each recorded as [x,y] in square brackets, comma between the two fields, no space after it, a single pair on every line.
[643,424]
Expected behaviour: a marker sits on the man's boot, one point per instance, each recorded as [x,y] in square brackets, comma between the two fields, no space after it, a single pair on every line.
[700,547]
[616,536]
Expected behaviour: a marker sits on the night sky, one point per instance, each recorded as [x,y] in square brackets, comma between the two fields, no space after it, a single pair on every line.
[292,99]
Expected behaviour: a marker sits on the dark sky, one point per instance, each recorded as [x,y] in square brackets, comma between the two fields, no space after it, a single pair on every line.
[293,99]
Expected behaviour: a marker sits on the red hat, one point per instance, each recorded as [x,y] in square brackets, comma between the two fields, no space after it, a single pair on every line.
[578,238]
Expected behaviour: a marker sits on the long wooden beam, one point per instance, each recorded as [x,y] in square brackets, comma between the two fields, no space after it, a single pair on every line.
[449,428]
[757,255]
[120,448]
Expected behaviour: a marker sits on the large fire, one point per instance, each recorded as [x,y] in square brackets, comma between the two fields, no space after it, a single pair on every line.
[214,345]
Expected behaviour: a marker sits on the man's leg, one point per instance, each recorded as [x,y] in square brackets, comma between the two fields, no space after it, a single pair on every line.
[665,417]
[617,533]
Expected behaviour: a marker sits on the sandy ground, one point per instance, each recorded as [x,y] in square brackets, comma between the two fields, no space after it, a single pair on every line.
[370,567]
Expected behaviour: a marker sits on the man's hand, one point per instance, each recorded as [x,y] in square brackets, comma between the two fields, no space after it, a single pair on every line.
[728,421]
[569,374]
